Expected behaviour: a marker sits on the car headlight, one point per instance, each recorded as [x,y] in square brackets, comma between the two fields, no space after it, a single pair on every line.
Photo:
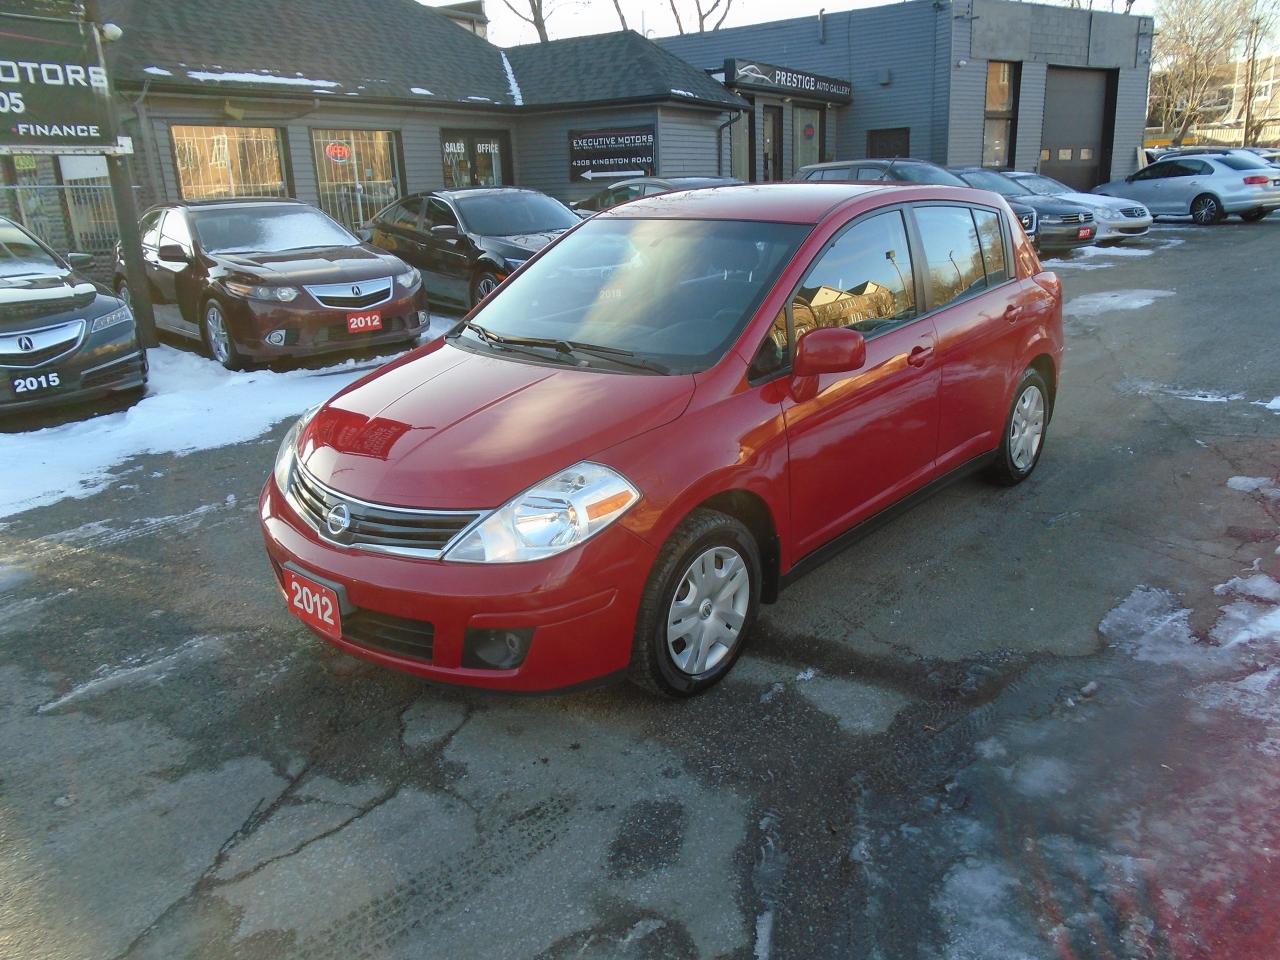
[287,455]
[123,315]
[282,294]
[409,279]
[513,265]
[550,517]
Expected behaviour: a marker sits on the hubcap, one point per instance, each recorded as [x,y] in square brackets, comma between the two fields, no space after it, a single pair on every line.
[709,608]
[219,341]
[486,286]
[1205,211]
[123,294]
[1026,428]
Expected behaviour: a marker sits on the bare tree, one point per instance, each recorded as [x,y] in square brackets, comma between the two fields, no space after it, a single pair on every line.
[536,17]
[1261,20]
[703,13]
[1195,40]
[622,17]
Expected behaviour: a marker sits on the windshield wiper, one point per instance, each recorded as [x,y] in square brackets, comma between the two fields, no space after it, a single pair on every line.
[618,355]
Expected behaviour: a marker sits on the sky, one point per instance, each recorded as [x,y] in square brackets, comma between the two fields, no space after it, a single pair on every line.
[571,18]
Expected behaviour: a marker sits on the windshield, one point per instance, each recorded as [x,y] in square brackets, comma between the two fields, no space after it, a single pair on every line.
[512,214]
[266,229]
[922,173]
[674,292]
[1044,186]
[997,182]
[21,256]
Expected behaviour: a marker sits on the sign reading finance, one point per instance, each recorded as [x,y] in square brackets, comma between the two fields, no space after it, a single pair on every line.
[53,88]
[758,75]
[611,154]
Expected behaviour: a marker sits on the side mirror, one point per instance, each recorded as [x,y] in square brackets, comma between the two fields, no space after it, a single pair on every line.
[80,261]
[829,350]
[172,253]
[445,231]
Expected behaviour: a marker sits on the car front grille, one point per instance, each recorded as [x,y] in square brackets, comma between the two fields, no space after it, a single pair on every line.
[398,635]
[1133,213]
[352,296]
[1077,218]
[118,371]
[375,527]
[31,348]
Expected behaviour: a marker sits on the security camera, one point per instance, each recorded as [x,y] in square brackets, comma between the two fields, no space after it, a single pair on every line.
[111,33]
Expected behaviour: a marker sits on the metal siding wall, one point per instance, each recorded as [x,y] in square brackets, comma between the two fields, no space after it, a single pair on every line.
[542,160]
[968,95]
[1026,152]
[1131,119]
[687,142]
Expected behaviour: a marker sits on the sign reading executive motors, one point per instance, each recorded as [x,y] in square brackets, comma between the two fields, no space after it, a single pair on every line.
[53,88]
[612,154]
[758,75]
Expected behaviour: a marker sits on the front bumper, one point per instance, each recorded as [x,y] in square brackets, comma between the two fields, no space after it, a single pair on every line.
[1121,228]
[1064,236]
[109,361]
[581,604]
[309,328]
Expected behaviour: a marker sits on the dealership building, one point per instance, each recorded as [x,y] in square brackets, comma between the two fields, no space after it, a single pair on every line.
[351,103]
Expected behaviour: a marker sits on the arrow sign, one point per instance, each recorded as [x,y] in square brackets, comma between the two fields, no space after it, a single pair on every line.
[611,174]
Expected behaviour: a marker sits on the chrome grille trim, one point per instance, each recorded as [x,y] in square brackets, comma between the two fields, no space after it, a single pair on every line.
[48,344]
[379,527]
[1134,212]
[1077,218]
[340,296]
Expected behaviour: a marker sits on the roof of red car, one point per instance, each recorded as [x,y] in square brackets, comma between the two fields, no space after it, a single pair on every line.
[778,202]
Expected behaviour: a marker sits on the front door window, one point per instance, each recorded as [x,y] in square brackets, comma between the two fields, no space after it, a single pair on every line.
[357,172]
[476,158]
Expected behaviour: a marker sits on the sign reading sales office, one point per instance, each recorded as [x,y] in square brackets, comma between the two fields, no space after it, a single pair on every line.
[53,87]
[612,154]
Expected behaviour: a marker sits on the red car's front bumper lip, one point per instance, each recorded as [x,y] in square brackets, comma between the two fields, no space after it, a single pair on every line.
[582,604]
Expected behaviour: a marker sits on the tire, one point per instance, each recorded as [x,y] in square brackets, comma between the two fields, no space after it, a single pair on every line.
[1206,210]
[665,661]
[1253,216]
[220,348]
[483,284]
[1024,431]
[122,291]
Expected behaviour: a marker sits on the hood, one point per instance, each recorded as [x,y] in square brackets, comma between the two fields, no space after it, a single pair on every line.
[50,296]
[450,429]
[314,264]
[1050,206]
[519,246]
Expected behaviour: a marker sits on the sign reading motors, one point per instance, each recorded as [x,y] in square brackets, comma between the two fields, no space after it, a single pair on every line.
[53,88]
[758,75]
[612,154]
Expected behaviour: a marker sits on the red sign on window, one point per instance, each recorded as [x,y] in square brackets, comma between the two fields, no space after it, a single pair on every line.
[338,152]
[809,131]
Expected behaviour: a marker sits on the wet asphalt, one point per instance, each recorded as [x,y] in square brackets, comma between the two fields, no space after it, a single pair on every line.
[1014,723]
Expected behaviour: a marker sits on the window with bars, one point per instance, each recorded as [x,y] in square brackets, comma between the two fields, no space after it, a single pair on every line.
[222,161]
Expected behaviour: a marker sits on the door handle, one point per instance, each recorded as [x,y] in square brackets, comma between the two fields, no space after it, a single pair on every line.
[919,355]
[1012,313]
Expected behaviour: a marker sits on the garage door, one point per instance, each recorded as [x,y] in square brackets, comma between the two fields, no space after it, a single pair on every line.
[1079,114]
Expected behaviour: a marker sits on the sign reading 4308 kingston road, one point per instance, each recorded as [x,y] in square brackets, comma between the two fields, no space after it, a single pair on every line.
[611,154]
[53,87]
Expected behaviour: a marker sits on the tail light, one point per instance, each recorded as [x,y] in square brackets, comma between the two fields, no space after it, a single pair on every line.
[1257,180]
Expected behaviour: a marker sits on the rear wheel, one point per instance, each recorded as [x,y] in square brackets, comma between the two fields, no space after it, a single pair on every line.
[1253,216]
[698,607]
[217,336]
[1024,431]
[1206,210]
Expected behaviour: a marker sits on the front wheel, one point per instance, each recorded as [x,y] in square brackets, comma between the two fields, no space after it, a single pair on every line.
[698,607]
[1024,431]
[1206,210]
[1253,216]
[217,336]
[484,283]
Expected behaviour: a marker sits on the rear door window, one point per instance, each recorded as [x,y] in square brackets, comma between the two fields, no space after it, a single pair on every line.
[833,173]
[407,214]
[439,214]
[991,238]
[953,256]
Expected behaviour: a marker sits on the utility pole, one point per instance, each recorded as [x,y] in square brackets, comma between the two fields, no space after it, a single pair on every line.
[1251,48]
[126,214]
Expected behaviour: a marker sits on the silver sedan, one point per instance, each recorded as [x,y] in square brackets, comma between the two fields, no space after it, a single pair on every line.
[1206,187]
[1116,220]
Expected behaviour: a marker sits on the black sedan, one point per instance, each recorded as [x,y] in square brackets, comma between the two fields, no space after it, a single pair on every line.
[62,337]
[467,241]
[1062,225]
[262,279]
[635,187]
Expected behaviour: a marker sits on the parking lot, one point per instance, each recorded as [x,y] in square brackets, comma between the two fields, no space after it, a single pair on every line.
[1031,722]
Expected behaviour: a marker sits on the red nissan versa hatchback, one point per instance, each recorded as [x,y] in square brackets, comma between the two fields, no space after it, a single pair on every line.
[658,421]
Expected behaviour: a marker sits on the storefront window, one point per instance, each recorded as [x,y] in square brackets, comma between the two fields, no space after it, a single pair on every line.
[228,162]
[357,172]
[475,158]
[1000,122]
[806,136]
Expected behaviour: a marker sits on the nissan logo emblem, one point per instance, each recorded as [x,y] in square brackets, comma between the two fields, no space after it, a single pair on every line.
[337,519]
[355,291]
[26,344]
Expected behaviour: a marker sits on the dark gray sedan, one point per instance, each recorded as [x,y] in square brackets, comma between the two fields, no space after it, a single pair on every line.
[1063,225]
[630,189]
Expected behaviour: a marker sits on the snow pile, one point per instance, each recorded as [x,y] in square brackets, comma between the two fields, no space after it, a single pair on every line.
[421,92]
[191,404]
[1263,485]
[1096,304]
[512,83]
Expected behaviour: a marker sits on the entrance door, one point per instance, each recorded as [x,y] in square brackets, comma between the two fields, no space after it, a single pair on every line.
[357,173]
[476,158]
[1079,113]
[773,144]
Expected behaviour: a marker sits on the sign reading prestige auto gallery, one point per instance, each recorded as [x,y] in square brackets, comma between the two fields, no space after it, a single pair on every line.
[611,154]
[53,88]
[765,76]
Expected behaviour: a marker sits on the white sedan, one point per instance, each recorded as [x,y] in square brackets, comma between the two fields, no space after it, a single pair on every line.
[1116,219]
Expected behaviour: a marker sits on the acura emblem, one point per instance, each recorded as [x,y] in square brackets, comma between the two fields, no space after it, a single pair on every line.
[26,343]
[355,291]
[337,519]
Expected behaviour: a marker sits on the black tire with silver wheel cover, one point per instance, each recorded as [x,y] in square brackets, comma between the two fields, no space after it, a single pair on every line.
[1253,216]
[483,284]
[1024,431]
[122,291]
[698,607]
[1206,210]
[217,336]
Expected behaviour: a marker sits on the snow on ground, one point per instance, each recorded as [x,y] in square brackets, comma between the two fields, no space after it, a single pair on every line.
[139,671]
[191,404]
[1148,388]
[1096,304]
[1263,485]
[1273,404]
